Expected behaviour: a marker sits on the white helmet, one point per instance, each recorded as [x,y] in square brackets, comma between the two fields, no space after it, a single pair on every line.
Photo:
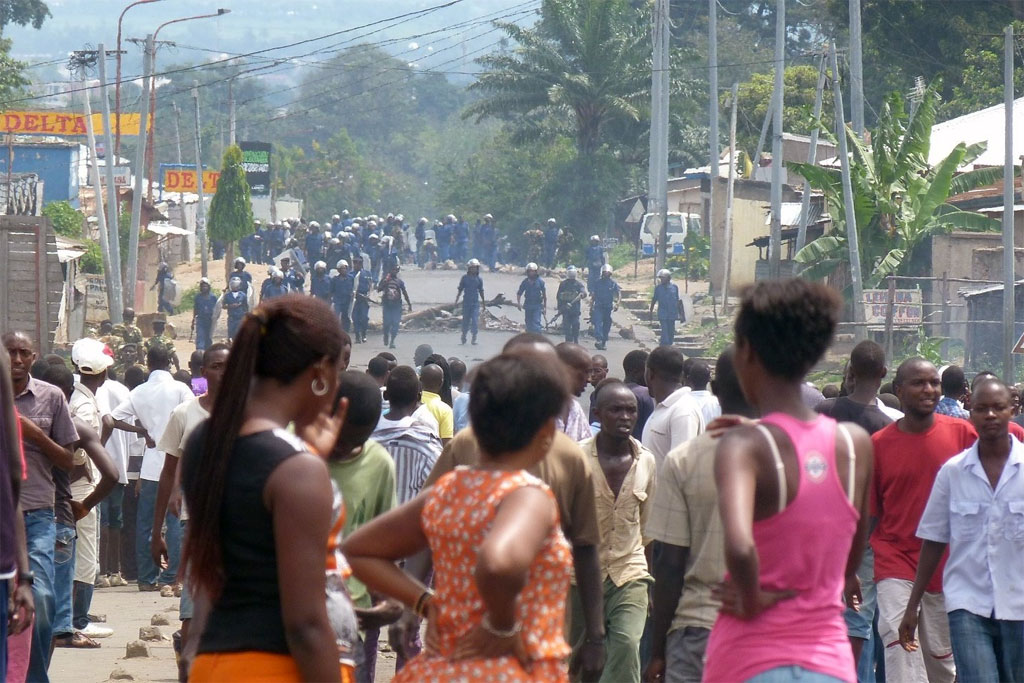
[664,272]
[606,268]
[488,217]
[335,217]
[450,217]
[473,263]
[531,266]
[595,238]
[570,272]
[314,224]
[341,264]
[552,221]
[239,260]
[386,239]
[320,265]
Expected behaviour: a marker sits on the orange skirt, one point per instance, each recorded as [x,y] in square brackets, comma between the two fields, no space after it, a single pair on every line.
[252,666]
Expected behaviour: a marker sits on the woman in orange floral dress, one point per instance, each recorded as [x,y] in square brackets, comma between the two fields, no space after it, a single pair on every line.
[501,563]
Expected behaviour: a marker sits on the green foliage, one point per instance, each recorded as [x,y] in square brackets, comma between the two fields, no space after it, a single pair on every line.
[755,98]
[922,346]
[621,255]
[12,71]
[980,82]
[231,208]
[899,200]
[66,219]
[695,261]
[188,299]
[23,13]
[92,261]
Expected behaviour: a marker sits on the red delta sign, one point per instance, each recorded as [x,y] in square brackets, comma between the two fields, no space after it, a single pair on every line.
[59,123]
[184,180]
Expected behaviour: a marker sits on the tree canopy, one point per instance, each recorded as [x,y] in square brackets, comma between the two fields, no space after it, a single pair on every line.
[230,216]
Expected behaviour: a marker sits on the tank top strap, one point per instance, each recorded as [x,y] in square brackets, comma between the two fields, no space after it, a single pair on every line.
[780,469]
[851,475]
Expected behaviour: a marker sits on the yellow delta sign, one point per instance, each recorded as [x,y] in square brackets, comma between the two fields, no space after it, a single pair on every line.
[62,123]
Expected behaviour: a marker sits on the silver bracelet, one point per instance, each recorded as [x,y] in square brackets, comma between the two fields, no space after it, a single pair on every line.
[497,633]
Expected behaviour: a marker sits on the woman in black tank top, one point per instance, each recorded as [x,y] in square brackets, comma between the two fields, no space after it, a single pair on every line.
[261,503]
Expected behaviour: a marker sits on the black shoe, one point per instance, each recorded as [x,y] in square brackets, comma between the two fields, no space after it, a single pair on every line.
[463,342]
[474,341]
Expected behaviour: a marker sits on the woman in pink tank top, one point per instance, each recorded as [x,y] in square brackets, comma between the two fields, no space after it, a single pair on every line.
[793,499]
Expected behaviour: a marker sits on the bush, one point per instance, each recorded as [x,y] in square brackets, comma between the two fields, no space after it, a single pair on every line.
[66,219]
[188,299]
[92,260]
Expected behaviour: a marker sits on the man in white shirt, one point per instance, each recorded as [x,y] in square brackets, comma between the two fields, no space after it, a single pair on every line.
[150,405]
[109,396]
[698,375]
[577,364]
[677,416]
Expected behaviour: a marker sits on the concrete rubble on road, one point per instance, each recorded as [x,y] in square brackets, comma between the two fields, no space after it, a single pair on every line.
[136,648]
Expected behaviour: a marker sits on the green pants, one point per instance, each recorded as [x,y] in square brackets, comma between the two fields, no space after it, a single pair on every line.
[625,611]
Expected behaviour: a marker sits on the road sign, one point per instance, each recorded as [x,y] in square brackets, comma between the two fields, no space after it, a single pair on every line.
[1019,346]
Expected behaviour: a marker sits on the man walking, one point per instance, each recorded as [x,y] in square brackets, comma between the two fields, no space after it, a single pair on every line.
[605,294]
[536,299]
[569,297]
[471,288]
[392,290]
[908,456]
[341,294]
[361,282]
[677,416]
[202,314]
[623,479]
[595,261]
[670,307]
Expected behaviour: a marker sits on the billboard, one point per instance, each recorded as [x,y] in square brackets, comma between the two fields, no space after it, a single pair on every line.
[907,306]
[61,123]
[256,162]
[184,180]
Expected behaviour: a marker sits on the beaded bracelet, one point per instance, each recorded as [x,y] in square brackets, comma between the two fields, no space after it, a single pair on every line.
[497,633]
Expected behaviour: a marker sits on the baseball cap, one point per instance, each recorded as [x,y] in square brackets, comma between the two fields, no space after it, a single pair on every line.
[91,356]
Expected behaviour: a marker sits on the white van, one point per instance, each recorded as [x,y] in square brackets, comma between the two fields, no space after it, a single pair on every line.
[678,225]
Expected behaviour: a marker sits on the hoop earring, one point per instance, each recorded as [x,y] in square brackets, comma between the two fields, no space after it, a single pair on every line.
[318,387]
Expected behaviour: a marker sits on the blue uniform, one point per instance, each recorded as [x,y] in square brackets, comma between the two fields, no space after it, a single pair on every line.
[320,286]
[667,299]
[162,303]
[461,233]
[273,290]
[246,280]
[550,246]
[276,241]
[314,246]
[604,292]
[444,241]
[362,282]
[294,281]
[203,311]
[237,305]
[533,300]
[488,244]
[595,259]
[341,297]
[471,286]
[570,296]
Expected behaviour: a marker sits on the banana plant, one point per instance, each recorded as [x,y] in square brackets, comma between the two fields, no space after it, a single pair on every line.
[900,201]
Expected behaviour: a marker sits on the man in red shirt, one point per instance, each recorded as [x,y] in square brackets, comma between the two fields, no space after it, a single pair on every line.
[908,455]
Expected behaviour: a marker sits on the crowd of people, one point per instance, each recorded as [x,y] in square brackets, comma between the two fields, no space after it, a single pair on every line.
[719,524]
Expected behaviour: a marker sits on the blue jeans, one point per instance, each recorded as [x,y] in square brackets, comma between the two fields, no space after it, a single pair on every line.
[147,571]
[668,331]
[112,508]
[860,623]
[392,319]
[63,578]
[792,674]
[360,318]
[204,333]
[602,323]
[342,308]
[470,319]
[533,315]
[81,601]
[986,649]
[233,325]
[41,535]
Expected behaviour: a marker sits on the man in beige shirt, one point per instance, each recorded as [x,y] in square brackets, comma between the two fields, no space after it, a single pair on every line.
[624,473]
[685,519]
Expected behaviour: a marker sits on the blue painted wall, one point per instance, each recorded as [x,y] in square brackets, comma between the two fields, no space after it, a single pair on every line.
[55,164]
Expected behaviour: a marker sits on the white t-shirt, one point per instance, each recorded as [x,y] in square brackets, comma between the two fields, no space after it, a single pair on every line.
[183,421]
[109,396]
[422,414]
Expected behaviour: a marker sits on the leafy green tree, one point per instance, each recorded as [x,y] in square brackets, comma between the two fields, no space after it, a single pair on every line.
[23,13]
[230,216]
[900,201]
[980,83]
[66,219]
[755,98]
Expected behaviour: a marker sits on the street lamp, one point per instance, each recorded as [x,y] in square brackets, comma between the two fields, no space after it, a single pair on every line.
[152,90]
[117,80]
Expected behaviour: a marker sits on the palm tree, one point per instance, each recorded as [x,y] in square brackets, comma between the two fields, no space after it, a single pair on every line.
[900,201]
[585,64]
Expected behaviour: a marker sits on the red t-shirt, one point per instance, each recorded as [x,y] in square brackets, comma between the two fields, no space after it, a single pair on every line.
[905,469]
[1017,431]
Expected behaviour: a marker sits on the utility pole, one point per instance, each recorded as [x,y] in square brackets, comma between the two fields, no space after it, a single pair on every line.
[778,99]
[109,275]
[140,169]
[657,175]
[768,115]
[856,70]
[713,110]
[201,208]
[850,217]
[812,155]
[730,193]
[177,138]
[231,111]
[113,205]
[1009,255]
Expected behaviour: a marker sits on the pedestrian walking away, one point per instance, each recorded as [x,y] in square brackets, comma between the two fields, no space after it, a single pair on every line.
[595,259]
[392,291]
[202,315]
[471,290]
[569,298]
[532,296]
[362,282]
[670,307]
